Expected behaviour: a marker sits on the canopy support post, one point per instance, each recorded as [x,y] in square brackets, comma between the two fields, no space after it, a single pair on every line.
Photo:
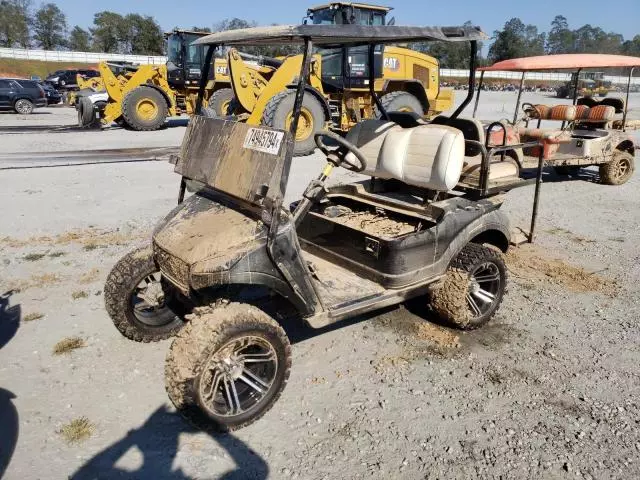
[575,86]
[626,103]
[475,107]
[372,79]
[472,79]
[204,75]
[536,195]
[515,114]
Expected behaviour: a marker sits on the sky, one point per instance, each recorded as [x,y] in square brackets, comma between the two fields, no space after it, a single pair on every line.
[622,17]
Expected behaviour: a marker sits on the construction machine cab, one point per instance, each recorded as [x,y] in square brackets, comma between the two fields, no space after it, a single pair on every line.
[349,67]
[184,60]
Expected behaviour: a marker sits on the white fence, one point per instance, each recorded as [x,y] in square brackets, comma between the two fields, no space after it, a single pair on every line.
[95,57]
[83,57]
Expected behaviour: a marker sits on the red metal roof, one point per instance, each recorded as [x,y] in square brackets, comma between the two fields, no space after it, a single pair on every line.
[569,61]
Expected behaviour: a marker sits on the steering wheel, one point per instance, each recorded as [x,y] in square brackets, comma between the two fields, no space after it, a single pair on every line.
[338,156]
[530,110]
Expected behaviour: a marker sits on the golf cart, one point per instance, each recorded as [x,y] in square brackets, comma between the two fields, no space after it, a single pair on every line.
[240,261]
[588,132]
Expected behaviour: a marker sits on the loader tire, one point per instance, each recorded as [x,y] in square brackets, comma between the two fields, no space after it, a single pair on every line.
[85,112]
[144,109]
[220,101]
[278,113]
[400,102]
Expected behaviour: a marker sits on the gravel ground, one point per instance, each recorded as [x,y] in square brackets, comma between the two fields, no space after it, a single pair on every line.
[549,389]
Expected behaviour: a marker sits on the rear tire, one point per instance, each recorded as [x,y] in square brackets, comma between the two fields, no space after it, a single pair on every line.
[144,109]
[473,288]
[224,343]
[220,101]
[137,321]
[23,106]
[85,112]
[277,114]
[619,169]
[400,102]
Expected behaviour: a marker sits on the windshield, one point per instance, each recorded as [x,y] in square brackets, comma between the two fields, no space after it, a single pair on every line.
[174,53]
[356,16]
[193,54]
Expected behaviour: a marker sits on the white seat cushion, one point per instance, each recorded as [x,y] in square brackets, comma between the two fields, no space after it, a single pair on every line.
[427,156]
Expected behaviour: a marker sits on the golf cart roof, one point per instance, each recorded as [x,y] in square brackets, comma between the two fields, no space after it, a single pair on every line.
[351,4]
[340,35]
[569,61]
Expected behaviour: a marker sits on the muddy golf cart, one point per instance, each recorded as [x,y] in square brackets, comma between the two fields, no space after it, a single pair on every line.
[240,261]
[588,132]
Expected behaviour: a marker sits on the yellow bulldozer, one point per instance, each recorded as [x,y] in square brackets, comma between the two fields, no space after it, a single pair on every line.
[338,97]
[141,97]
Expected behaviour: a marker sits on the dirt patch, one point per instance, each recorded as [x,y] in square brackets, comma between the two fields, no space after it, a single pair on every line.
[68,345]
[79,294]
[30,317]
[376,224]
[529,263]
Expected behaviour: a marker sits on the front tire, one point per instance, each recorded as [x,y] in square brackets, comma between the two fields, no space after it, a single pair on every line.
[618,170]
[144,109]
[278,113]
[23,106]
[400,102]
[473,288]
[227,367]
[143,307]
[220,101]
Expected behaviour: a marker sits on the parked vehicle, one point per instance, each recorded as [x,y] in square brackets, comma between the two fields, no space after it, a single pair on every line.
[589,132]
[66,79]
[53,96]
[413,229]
[21,95]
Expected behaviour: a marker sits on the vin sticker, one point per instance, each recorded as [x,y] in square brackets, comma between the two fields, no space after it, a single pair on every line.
[267,141]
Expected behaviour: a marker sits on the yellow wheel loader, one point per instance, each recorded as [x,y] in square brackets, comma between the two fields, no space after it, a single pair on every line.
[141,97]
[338,92]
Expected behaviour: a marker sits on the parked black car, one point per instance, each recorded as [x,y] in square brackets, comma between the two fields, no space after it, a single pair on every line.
[21,95]
[66,79]
[53,96]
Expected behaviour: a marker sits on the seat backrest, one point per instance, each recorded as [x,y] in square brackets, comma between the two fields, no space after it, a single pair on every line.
[597,114]
[427,156]
[369,136]
[471,128]
[563,113]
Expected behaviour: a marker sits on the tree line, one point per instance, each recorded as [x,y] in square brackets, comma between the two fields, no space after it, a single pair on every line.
[47,28]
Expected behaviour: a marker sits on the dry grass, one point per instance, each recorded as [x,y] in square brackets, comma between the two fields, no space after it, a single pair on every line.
[90,276]
[30,317]
[78,294]
[34,257]
[21,68]
[35,281]
[67,345]
[89,239]
[77,430]
[57,254]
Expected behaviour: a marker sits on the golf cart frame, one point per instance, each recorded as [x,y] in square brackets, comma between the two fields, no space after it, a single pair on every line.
[589,134]
[233,240]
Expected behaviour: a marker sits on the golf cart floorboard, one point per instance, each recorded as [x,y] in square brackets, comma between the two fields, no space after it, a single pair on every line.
[338,286]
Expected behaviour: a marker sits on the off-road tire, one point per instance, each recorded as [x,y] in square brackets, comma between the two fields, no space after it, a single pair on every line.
[399,102]
[220,99]
[567,170]
[278,108]
[207,331]
[121,281]
[448,307]
[85,112]
[130,114]
[610,172]
[23,106]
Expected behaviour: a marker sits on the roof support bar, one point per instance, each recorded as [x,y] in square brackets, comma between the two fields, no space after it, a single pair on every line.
[626,103]
[475,107]
[372,80]
[472,79]
[515,114]
[204,74]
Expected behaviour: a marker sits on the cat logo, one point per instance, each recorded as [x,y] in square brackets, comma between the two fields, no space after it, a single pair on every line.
[221,70]
[392,63]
